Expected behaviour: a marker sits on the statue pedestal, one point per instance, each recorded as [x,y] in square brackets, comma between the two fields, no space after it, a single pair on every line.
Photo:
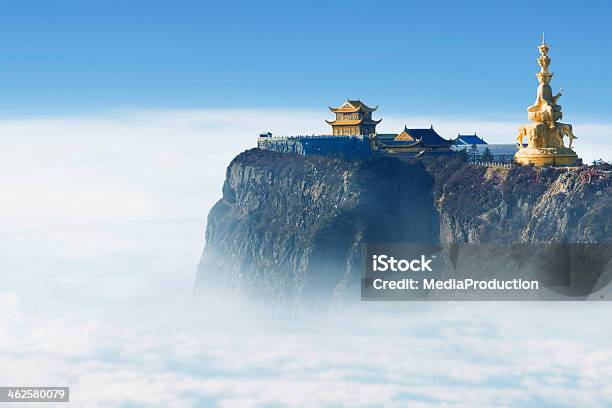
[555,156]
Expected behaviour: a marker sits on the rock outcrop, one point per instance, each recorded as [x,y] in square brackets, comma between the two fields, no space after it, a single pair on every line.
[522,204]
[292,227]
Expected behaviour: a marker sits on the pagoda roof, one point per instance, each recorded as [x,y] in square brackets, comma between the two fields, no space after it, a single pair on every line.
[353,122]
[399,143]
[427,137]
[469,140]
[386,136]
[353,106]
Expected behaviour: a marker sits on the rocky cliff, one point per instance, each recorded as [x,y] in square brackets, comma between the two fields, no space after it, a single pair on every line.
[291,227]
[522,204]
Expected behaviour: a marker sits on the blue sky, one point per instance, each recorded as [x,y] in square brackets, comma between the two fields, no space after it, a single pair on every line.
[104,224]
[411,58]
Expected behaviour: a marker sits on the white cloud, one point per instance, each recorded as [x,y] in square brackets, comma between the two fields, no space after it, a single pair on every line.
[10,308]
[102,228]
[361,358]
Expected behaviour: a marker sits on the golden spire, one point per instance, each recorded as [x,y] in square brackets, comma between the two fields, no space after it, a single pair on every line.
[544,76]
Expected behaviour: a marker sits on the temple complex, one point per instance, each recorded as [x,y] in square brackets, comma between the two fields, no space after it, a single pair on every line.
[414,142]
[354,135]
[545,133]
[353,118]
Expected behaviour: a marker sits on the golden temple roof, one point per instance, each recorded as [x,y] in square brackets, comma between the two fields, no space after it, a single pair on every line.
[353,122]
[353,106]
[427,137]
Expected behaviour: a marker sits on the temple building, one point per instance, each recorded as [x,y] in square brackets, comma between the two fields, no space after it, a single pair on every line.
[468,140]
[478,150]
[354,137]
[353,118]
[414,142]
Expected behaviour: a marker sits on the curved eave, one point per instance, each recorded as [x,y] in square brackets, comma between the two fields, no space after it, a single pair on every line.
[343,110]
[353,122]
[354,109]
[346,122]
[393,146]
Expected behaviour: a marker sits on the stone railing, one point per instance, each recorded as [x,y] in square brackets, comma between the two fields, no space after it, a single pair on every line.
[346,147]
[494,164]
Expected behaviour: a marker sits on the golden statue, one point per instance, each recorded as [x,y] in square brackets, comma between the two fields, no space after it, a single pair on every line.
[545,134]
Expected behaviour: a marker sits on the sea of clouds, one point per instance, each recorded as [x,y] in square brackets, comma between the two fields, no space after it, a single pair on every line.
[103,220]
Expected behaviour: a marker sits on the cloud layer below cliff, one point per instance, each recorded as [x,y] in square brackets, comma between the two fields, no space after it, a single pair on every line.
[102,226]
[454,355]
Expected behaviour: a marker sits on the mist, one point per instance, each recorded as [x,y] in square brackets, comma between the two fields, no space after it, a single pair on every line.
[103,220]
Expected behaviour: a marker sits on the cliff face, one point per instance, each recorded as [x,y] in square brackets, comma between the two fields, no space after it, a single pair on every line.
[522,204]
[289,227]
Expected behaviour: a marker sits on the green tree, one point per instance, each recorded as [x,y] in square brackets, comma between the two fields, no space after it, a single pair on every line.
[487,156]
[462,155]
[473,155]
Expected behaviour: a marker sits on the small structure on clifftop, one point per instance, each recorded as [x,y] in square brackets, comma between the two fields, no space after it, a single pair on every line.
[478,150]
[414,142]
[468,140]
[353,118]
[545,133]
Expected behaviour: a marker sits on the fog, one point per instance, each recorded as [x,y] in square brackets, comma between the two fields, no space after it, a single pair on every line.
[103,220]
